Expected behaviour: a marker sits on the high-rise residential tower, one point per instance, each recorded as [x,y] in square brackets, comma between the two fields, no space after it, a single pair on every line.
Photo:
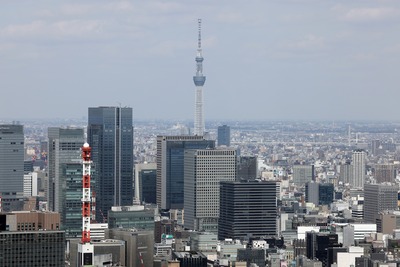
[11,166]
[224,135]
[358,162]
[170,167]
[65,177]
[204,170]
[110,135]
[199,79]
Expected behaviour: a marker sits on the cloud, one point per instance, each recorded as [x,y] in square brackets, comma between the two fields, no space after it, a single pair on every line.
[309,42]
[58,29]
[371,14]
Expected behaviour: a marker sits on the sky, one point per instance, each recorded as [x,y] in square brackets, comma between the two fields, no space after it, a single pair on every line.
[263,59]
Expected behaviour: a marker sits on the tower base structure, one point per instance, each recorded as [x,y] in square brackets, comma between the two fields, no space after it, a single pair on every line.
[85,255]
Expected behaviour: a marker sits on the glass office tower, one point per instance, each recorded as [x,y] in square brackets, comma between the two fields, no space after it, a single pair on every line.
[110,134]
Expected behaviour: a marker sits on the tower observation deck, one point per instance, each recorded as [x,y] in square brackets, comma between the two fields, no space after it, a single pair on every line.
[199,80]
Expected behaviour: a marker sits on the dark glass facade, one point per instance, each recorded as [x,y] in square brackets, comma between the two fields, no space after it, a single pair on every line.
[247,168]
[170,167]
[36,248]
[326,194]
[148,186]
[247,208]
[72,209]
[224,135]
[110,134]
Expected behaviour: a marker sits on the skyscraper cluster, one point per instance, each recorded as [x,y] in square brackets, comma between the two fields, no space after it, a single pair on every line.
[271,197]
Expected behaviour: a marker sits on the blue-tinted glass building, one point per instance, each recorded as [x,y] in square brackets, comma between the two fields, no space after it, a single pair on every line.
[170,167]
[224,135]
[110,134]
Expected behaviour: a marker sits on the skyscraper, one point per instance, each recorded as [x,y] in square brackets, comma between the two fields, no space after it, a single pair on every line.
[247,207]
[11,166]
[65,177]
[170,167]
[224,135]
[377,198]
[204,170]
[199,79]
[110,134]
[358,162]
[346,172]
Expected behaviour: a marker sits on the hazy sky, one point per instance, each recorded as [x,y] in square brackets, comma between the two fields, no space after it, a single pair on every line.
[264,59]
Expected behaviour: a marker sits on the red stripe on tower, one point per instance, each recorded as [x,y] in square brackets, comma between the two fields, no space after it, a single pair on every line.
[86,196]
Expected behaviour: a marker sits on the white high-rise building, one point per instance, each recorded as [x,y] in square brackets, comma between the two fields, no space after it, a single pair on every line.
[31,184]
[204,170]
[358,162]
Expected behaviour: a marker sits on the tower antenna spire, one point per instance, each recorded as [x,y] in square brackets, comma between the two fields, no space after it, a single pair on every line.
[199,40]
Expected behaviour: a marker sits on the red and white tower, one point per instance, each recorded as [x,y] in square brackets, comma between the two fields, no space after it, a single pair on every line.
[85,248]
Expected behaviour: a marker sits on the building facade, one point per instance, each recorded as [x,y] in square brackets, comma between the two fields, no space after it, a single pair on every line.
[11,166]
[110,134]
[303,174]
[137,216]
[385,173]
[170,167]
[65,177]
[377,198]
[247,168]
[358,162]
[224,135]
[248,207]
[204,170]
[32,248]
[146,182]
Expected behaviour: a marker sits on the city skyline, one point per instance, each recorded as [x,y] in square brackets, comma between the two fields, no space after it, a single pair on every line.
[285,60]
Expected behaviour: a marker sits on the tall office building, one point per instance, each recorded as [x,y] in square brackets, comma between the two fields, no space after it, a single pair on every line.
[199,79]
[65,177]
[204,170]
[358,162]
[224,135]
[346,172]
[110,134]
[11,166]
[170,167]
[377,198]
[247,207]
[303,174]
[146,182]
